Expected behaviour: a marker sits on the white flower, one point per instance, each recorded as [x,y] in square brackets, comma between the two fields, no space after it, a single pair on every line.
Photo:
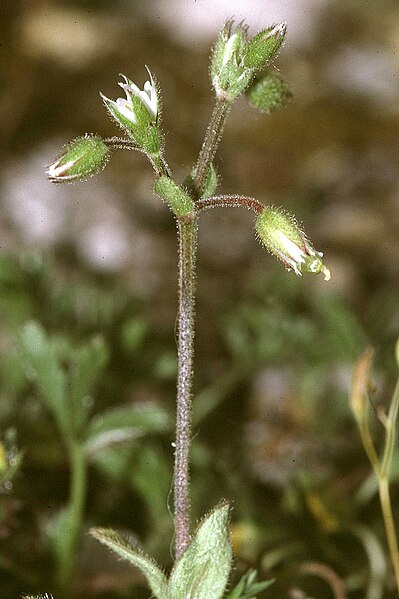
[295,256]
[124,106]
[282,236]
[148,96]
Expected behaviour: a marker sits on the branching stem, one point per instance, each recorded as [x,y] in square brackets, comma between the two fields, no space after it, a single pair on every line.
[210,144]
[187,231]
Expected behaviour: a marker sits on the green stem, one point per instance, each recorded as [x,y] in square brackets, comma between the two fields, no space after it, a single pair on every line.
[390,433]
[73,520]
[159,165]
[368,445]
[383,484]
[187,228]
[210,144]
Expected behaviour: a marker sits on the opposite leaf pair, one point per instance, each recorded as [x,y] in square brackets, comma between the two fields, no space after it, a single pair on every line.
[202,572]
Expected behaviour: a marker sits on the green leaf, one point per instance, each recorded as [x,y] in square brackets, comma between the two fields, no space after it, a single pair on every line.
[155,577]
[210,183]
[133,334]
[124,423]
[247,587]
[87,364]
[150,477]
[203,569]
[41,363]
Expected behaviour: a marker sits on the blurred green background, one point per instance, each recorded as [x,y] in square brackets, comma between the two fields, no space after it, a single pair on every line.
[274,353]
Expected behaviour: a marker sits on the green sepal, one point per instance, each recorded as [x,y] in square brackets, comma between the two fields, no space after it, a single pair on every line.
[263,47]
[152,140]
[240,80]
[203,569]
[268,93]
[177,199]
[155,577]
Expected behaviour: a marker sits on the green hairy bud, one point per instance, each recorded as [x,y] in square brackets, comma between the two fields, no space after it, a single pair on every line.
[282,236]
[263,47]
[229,74]
[236,60]
[82,158]
[268,93]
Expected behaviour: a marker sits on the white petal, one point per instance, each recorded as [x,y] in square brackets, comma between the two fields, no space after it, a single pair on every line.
[293,251]
[228,49]
[126,111]
[56,171]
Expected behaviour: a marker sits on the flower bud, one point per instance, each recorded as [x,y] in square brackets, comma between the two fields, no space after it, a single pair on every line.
[229,74]
[263,47]
[282,236]
[268,93]
[138,114]
[82,158]
[236,60]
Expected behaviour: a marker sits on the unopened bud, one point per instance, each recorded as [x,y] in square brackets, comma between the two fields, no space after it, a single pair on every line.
[263,47]
[230,76]
[282,236]
[82,158]
[268,93]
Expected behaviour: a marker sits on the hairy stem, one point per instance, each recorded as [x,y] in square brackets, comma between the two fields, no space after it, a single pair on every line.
[187,229]
[157,160]
[230,201]
[74,517]
[210,144]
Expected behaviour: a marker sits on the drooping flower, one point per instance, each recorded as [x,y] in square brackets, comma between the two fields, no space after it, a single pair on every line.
[282,236]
